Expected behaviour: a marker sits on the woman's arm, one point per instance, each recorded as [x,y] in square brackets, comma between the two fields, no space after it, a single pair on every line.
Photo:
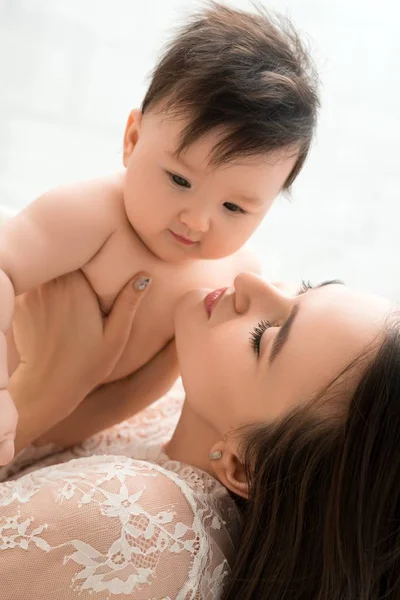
[116,401]
[56,234]
[35,401]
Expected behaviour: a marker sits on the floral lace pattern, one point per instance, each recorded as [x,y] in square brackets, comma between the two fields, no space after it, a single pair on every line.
[115,518]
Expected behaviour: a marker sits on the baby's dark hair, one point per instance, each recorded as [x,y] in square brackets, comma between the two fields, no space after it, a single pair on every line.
[247,75]
[323,517]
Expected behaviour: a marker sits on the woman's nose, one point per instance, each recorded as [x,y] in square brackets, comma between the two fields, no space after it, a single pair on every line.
[253,291]
[196,220]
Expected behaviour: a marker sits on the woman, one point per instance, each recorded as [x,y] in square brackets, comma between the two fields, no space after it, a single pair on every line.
[301,426]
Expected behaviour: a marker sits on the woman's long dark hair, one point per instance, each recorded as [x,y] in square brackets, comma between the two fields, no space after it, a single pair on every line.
[323,517]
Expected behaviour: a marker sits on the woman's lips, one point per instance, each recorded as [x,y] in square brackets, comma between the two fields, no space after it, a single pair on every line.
[182,239]
[212,298]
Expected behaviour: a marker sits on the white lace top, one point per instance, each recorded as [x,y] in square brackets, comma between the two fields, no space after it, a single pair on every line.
[115,518]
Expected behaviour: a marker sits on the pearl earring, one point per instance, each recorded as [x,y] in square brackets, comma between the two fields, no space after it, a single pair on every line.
[216,455]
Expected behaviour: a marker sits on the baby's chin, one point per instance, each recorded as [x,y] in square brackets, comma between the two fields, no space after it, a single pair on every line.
[174,251]
[166,249]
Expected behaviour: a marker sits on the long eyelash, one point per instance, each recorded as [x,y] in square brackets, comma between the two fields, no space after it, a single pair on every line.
[256,335]
[305,286]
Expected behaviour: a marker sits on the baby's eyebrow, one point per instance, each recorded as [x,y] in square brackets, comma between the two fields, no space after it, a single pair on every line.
[284,331]
[247,199]
[180,159]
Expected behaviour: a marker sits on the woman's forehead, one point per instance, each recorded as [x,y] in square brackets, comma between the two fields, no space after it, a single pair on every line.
[333,327]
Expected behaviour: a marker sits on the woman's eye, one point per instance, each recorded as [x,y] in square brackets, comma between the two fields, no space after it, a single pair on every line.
[233,208]
[180,181]
[305,286]
[256,335]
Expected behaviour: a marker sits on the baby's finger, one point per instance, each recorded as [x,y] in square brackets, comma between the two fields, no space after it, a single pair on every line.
[119,322]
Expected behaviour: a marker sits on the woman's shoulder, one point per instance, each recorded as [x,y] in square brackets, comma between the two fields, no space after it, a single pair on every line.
[122,516]
[121,526]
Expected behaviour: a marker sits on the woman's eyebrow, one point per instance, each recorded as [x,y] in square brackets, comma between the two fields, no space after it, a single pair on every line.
[283,334]
[284,331]
[329,282]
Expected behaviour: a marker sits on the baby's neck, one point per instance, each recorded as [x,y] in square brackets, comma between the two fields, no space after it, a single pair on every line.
[192,440]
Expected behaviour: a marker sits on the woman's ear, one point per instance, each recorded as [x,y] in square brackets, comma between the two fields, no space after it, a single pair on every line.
[228,469]
[131,134]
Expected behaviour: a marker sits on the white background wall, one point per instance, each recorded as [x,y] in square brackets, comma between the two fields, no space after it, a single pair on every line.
[70,71]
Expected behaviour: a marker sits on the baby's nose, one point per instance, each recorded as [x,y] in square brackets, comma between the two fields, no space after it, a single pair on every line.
[196,220]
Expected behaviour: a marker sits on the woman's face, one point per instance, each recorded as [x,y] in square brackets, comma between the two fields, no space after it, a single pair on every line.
[258,350]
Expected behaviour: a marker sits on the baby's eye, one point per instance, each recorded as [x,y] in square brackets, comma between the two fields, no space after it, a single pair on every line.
[180,181]
[234,208]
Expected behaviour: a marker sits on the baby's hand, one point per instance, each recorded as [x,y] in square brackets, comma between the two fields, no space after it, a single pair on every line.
[8,411]
[8,426]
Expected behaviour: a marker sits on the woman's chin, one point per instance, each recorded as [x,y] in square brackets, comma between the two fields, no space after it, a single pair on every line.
[191,305]
[189,322]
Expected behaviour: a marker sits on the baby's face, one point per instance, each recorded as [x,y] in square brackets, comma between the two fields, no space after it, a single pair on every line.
[184,208]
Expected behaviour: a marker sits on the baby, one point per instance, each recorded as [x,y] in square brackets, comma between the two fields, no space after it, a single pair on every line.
[226,124]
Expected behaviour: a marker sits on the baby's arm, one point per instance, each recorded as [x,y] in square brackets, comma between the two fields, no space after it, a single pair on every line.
[58,233]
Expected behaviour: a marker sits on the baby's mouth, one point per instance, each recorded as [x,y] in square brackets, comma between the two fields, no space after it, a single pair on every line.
[182,239]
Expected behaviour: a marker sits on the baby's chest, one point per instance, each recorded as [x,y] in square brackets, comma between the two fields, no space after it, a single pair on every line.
[121,257]
[110,270]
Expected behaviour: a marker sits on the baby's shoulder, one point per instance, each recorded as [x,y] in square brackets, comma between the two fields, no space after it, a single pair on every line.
[101,197]
[244,260]
[105,193]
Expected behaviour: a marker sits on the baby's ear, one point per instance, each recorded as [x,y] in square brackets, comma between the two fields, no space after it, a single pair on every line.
[131,135]
[228,469]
